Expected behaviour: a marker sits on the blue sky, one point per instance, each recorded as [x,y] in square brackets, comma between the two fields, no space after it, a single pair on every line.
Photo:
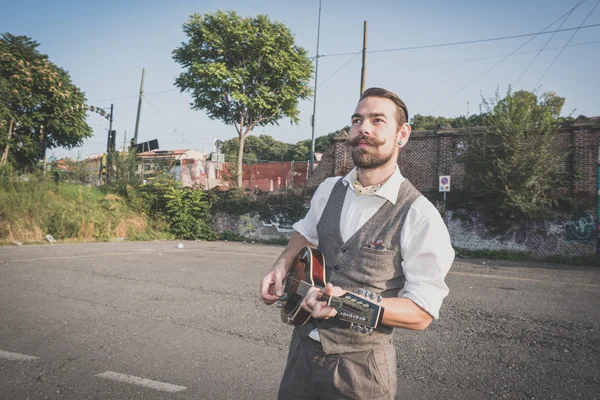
[105,45]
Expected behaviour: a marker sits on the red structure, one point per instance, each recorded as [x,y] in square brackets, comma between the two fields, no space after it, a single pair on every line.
[275,176]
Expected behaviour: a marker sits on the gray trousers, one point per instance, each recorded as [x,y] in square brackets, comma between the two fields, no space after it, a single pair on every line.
[311,374]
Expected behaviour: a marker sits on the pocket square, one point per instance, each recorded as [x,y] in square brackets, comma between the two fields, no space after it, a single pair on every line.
[378,245]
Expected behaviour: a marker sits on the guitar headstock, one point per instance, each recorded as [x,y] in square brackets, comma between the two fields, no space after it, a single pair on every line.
[362,313]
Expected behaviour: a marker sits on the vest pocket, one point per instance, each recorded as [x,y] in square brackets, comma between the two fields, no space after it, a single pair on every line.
[375,267]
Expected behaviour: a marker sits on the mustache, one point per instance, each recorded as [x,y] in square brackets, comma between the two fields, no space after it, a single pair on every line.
[367,140]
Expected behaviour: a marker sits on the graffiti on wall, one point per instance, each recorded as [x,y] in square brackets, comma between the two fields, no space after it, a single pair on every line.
[580,227]
[536,235]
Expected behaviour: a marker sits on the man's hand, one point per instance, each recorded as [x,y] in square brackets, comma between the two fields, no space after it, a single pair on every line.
[320,309]
[271,287]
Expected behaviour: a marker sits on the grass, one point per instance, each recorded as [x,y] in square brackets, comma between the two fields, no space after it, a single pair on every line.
[35,207]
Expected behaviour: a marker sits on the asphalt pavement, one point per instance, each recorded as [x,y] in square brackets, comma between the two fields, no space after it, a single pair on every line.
[148,320]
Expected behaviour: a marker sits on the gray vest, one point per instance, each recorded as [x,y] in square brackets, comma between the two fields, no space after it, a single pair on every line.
[351,265]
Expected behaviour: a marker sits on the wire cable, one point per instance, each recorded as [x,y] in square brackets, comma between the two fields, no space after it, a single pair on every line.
[129,97]
[429,46]
[501,61]
[548,41]
[477,59]
[159,113]
[338,70]
[172,101]
[565,46]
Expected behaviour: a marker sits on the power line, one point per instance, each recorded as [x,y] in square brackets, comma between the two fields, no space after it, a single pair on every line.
[429,46]
[339,69]
[548,41]
[172,101]
[502,60]
[569,41]
[478,58]
[129,97]
[162,116]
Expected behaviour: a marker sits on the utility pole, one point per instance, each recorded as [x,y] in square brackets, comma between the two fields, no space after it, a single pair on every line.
[598,210]
[139,110]
[124,140]
[363,75]
[109,149]
[110,121]
[43,140]
[5,154]
[314,117]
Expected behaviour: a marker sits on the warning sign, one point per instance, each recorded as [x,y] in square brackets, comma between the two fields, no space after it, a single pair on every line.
[444,183]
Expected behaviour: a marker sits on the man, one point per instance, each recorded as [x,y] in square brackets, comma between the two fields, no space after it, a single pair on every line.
[377,232]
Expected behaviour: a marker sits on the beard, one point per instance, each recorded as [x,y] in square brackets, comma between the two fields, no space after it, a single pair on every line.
[364,157]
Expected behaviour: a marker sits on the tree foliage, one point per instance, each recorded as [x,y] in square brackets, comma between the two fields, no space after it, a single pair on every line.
[429,122]
[40,98]
[512,170]
[265,148]
[246,72]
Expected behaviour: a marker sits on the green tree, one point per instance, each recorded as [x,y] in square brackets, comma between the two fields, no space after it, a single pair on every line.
[429,122]
[257,148]
[512,170]
[246,72]
[41,98]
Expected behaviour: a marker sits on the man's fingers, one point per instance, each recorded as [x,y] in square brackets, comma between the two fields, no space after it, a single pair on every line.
[264,286]
[321,310]
[278,283]
[331,290]
[267,292]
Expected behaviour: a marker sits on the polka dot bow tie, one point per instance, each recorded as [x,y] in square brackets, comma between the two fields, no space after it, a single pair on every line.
[360,189]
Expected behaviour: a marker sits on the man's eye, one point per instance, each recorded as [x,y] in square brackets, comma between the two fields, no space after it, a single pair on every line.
[355,121]
[379,120]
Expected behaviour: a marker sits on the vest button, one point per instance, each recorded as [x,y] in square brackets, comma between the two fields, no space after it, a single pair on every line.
[343,249]
[336,267]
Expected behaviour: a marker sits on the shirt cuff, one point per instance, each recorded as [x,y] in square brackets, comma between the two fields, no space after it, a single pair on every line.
[302,231]
[429,304]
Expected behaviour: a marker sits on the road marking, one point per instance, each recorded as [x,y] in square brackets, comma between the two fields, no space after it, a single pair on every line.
[131,253]
[71,257]
[16,356]
[134,380]
[521,279]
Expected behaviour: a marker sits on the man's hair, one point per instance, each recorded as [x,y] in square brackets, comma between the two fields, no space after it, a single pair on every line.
[401,110]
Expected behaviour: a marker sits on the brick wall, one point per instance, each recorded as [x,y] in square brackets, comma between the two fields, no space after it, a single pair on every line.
[429,154]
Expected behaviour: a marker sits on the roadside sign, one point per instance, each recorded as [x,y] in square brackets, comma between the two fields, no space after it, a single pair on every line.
[444,183]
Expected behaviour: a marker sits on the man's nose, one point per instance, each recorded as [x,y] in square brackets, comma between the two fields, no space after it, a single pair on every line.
[365,128]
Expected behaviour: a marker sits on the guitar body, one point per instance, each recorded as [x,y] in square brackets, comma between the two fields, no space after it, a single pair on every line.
[308,270]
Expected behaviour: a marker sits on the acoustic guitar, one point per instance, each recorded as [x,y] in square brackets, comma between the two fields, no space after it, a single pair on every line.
[308,270]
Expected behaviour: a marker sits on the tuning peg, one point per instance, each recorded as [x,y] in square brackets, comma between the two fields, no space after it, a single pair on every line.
[373,296]
[279,304]
[283,297]
[360,291]
[351,325]
[370,331]
[367,294]
[379,298]
[363,329]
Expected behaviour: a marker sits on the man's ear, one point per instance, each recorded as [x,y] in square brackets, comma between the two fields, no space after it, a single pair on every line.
[404,134]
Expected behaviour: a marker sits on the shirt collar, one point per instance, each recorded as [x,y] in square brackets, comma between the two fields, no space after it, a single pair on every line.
[388,191]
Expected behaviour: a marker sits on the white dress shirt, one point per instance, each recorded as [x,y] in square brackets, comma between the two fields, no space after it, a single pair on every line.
[424,241]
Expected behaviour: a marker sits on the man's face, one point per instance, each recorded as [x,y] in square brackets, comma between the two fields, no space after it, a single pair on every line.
[373,133]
